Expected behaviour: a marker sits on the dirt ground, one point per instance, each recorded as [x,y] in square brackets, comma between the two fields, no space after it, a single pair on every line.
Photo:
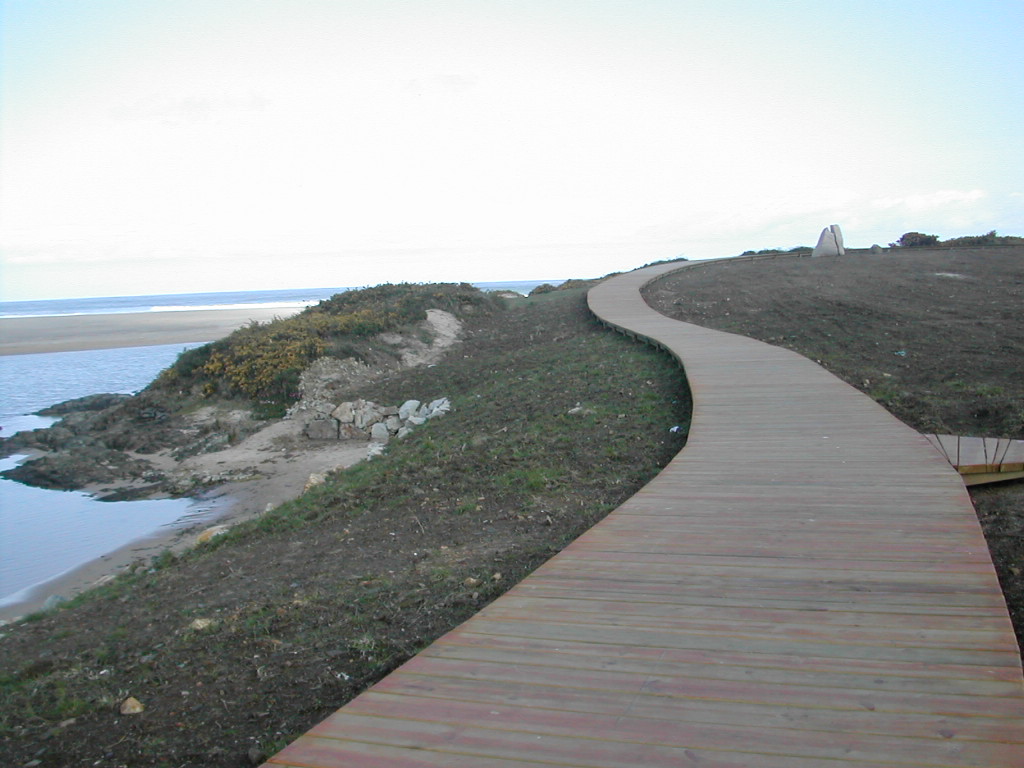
[935,335]
[241,645]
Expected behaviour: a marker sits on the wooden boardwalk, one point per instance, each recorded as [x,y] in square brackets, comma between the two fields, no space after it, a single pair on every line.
[982,459]
[805,584]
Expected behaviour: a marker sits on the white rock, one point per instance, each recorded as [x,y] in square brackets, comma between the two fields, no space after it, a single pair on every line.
[344,413]
[408,409]
[438,407]
[830,242]
[379,433]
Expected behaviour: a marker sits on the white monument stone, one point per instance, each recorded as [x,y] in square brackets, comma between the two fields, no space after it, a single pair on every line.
[830,242]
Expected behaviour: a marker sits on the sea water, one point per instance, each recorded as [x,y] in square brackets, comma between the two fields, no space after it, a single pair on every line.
[43,533]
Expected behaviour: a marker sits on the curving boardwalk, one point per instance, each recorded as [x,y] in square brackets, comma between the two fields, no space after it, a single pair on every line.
[805,584]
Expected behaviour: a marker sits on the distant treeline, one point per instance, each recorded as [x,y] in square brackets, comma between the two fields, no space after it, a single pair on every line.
[769,251]
[915,239]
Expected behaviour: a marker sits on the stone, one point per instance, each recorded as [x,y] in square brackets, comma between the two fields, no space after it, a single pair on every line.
[315,479]
[389,410]
[415,421]
[322,429]
[212,532]
[53,601]
[393,423]
[876,248]
[350,432]
[366,414]
[402,432]
[379,433]
[131,706]
[198,625]
[87,403]
[344,413]
[830,242]
[438,407]
[838,234]
[408,409]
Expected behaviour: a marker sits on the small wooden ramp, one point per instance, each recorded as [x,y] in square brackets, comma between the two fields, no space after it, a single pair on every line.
[982,459]
[832,604]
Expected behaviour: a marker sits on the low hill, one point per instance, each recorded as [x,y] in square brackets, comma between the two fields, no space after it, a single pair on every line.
[933,334]
[242,644]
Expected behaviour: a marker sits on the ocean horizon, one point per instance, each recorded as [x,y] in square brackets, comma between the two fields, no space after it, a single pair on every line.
[213,300]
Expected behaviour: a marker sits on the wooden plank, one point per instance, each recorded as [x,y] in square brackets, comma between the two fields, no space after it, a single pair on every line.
[995,728]
[806,584]
[981,459]
[778,669]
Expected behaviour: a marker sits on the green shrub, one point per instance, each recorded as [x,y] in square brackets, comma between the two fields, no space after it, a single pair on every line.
[263,361]
[989,238]
[914,239]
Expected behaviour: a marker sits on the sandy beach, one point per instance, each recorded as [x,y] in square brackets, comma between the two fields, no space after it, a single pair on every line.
[29,335]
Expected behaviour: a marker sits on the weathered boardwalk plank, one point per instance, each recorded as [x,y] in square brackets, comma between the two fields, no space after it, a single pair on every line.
[806,584]
[982,459]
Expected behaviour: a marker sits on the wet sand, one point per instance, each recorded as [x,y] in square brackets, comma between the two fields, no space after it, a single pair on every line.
[29,335]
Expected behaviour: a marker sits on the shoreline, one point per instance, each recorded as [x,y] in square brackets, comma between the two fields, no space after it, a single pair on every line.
[97,571]
[72,333]
[285,474]
[233,503]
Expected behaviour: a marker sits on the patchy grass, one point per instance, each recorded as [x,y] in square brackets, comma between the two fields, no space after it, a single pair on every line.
[942,355]
[556,421]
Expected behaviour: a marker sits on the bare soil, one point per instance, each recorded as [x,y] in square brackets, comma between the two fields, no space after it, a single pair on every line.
[236,647]
[934,335]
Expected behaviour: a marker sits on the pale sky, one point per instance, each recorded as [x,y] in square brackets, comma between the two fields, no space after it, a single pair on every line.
[158,146]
